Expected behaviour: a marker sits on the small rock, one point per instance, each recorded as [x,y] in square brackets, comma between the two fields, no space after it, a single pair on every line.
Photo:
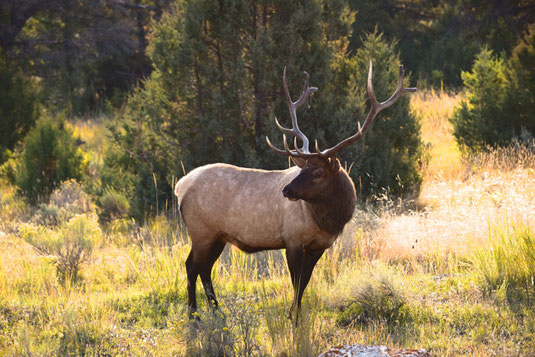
[373,351]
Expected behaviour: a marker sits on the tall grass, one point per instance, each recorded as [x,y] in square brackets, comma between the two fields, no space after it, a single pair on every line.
[446,274]
[433,110]
[507,264]
[460,195]
[13,210]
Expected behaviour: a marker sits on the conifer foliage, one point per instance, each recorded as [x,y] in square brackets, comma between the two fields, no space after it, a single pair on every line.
[389,157]
[216,88]
[48,158]
[18,106]
[500,104]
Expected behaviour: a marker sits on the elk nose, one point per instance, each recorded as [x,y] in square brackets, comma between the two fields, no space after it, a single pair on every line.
[288,193]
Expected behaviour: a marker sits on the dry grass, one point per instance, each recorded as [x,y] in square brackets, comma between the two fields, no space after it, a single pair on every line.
[93,132]
[461,197]
[433,109]
[457,214]
[131,298]
[93,135]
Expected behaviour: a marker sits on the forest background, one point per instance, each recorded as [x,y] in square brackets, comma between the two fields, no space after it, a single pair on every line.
[105,104]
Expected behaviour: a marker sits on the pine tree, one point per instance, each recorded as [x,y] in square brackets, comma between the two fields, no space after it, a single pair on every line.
[389,157]
[217,87]
[479,121]
[500,105]
[520,92]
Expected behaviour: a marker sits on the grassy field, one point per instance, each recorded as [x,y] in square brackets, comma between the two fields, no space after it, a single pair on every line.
[455,275]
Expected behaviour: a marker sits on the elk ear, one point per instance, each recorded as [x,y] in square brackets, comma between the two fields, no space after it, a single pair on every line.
[334,164]
[299,161]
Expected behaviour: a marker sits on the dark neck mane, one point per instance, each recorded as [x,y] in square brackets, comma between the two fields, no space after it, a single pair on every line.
[335,208]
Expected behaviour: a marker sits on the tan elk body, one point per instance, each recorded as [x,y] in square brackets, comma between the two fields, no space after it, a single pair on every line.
[302,209]
[246,208]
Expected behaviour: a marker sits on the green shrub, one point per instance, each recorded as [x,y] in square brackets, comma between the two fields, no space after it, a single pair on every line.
[70,195]
[9,167]
[520,97]
[71,245]
[501,99]
[211,336]
[49,215]
[118,174]
[49,157]
[480,120]
[68,200]
[230,331]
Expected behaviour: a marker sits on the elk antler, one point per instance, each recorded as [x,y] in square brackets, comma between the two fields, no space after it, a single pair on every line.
[376,107]
[292,106]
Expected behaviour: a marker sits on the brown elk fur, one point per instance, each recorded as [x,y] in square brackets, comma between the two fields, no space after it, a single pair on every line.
[222,204]
[302,209]
[248,208]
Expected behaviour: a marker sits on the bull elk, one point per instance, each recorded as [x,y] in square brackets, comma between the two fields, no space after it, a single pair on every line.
[302,209]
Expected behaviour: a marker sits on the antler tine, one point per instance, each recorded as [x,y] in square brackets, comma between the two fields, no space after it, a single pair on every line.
[304,152]
[285,143]
[399,91]
[277,150]
[376,107]
[281,128]
[292,106]
[307,91]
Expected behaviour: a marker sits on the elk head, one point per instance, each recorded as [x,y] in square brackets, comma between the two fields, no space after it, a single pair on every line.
[313,180]
[319,168]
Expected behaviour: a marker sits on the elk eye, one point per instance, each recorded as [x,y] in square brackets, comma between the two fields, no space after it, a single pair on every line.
[317,174]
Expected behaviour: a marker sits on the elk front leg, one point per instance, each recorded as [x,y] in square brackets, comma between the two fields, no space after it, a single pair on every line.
[301,263]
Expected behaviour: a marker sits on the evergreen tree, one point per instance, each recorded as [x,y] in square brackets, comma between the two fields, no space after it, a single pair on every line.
[520,92]
[389,157]
[217,87]
[479,121]
[500,103]
[18,107]
[49,157]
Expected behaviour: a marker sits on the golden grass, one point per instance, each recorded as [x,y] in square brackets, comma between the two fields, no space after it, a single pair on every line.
[13,209]
[460,196]
[457,214]
[132,296]
[433,110]
[93,134]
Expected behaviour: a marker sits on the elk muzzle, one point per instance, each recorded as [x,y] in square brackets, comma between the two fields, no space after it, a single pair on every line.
[289,193]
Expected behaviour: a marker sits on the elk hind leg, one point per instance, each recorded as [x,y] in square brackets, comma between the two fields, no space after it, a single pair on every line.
[199,262]
[214,252]
[192,274]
